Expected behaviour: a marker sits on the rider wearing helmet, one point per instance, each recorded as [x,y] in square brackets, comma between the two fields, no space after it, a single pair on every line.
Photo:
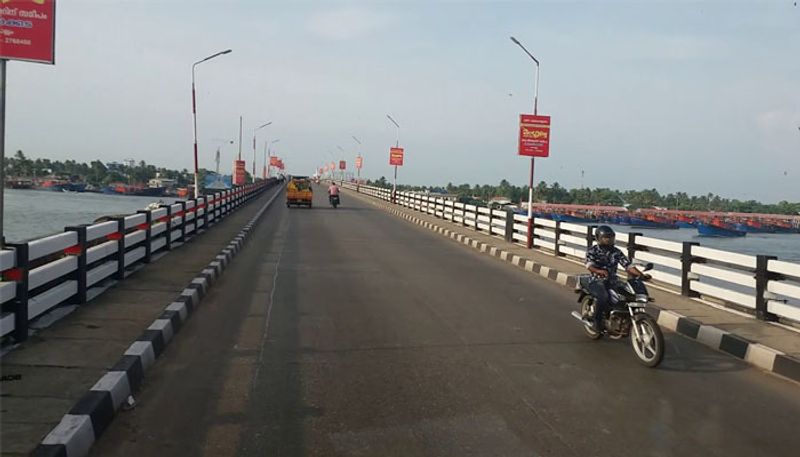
[602,260]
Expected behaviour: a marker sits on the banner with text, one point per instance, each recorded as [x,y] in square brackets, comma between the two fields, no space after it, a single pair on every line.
[239,172]
[534,135]
[359,162]
[28,30]
[396,156]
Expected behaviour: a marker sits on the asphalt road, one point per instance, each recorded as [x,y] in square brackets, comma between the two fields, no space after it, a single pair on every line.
[350,332]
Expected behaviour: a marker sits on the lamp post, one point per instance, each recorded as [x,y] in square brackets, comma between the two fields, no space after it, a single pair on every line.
[535,112]
[254,146]
[397,145]
[358,164]
[341,172]
[194,120]
[267,146]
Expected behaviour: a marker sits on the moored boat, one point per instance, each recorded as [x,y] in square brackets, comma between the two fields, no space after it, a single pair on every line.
[718,228]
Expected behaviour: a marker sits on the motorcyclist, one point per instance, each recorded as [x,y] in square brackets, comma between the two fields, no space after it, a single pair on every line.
[333,191]
[602,260]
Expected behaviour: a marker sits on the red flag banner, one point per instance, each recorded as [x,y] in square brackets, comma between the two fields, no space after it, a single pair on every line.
[359,162]
[534,135]
[28,30]
[396,156]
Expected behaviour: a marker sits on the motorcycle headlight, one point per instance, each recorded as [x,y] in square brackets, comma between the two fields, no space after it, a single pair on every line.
[642,298]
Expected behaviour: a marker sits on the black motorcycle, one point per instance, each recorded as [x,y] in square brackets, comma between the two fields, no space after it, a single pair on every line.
[334,199]
[625,317]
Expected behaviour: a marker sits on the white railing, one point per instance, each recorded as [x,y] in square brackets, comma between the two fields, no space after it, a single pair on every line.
[762,285]
[71,267]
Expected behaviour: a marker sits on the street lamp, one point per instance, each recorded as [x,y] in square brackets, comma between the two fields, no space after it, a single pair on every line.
[254,146]
[194,120]
[341,172]
[397,145]
[267,145]
[535,112]
[358,164]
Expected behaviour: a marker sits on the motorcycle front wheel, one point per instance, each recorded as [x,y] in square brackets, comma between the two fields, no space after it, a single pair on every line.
[649,346]
[587,311]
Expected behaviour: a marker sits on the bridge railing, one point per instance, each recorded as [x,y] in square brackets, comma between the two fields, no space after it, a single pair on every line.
[75,266]
[763,286]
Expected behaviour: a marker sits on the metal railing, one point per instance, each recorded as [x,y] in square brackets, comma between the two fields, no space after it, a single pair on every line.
[75,266]
[761,285]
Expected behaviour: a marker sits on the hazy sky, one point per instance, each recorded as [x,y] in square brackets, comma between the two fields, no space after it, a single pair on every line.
[681,96]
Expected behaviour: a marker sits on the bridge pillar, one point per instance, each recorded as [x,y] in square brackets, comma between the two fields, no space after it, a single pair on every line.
[79,252]
[686,268]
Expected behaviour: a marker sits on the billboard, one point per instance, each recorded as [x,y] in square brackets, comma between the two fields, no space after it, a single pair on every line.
[396,156]
[239,172]
[342,165]
[534,135]
[273,161]
[28,30]
[359,162]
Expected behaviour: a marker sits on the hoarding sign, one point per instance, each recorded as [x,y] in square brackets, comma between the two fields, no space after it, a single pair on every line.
[396,156]
[359,162]
[342,165]
[534,135]
[273,161]
[28,30]
[239,172]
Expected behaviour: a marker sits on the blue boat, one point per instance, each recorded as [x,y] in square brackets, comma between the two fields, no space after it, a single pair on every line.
[718,229]
[569,218]
[684,224]
[754,229]
[647,223]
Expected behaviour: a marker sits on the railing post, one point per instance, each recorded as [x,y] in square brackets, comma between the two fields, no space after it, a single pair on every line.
[632,246]
[19,274]
[489,207]
[168,231]
[762,278]
[120,236]
[509,226]
[686,268]
[205,212]
[148,234]
[557,230]
[590,236]
[79,251]
[183,221]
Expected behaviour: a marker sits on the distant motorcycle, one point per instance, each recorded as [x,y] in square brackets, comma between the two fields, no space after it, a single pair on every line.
[626,317]
[334,199]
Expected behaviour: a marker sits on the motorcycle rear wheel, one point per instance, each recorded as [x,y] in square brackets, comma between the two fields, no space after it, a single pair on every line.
[587,311]
[649,349]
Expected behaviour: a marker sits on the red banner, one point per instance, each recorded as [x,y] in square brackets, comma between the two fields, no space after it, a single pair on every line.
[332,167]
[28,30]
[273,161]
[280,164]
[359,162]
[342,165]
[239,172]
[396,156]
[534,135]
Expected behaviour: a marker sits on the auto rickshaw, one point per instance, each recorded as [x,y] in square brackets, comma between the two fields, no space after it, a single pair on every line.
[298,191]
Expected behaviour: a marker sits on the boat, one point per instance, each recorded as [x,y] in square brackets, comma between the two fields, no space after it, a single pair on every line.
[753,226]
[685,224]
[558,217]
[653,222]
[718,228]
[19,183]
[127,189]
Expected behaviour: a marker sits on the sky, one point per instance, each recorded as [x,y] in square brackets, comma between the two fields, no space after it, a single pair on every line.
[699,97]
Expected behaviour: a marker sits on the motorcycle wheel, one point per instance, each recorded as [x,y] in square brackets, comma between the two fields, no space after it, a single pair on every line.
[649,349]
[587,311]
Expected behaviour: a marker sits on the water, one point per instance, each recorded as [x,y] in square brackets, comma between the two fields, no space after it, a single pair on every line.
[782,246]
[34,213]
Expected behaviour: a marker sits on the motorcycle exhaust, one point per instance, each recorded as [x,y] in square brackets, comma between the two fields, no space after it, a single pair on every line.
[578,316]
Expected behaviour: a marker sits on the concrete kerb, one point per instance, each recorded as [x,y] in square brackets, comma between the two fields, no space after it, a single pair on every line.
[94,411]
[764,357]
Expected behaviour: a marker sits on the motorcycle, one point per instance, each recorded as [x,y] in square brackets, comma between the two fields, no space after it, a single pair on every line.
[625,317]
[334,199]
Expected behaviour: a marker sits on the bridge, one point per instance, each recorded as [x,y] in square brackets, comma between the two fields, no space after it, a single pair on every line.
[409,328]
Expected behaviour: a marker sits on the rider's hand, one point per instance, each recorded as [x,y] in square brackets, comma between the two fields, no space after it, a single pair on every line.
[646,277]
[601,273]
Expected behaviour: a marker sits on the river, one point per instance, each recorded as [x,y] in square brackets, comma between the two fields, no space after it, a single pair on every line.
[32,214]
[35,213]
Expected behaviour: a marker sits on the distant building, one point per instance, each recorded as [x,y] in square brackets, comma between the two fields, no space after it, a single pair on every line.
[162,182]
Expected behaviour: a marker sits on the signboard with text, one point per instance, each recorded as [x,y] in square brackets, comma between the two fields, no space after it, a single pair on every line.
[239,172]
[342,165]
[28,30]
[396,156]
[273,161]
[534,135]
[359,162]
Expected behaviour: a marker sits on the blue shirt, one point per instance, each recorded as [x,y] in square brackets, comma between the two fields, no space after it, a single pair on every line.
[607,259]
